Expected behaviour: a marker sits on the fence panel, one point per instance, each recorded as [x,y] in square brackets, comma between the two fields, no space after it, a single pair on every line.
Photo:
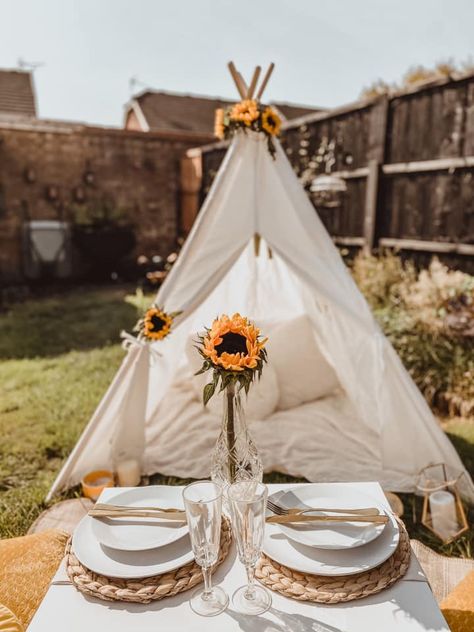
[408,162]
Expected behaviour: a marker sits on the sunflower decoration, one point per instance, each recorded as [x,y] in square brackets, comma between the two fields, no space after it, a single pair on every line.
[233,349]
[219,119]
[247,115]
[271,122]
[245,112]
[155,325]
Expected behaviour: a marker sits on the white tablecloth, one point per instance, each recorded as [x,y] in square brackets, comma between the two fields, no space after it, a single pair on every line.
[408,605]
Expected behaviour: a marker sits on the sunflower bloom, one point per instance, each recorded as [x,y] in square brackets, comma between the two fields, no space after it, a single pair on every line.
[245,112]
[233,344]
[156,324]
[271,122]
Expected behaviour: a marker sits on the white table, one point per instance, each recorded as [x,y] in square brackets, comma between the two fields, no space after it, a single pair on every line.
[408,605]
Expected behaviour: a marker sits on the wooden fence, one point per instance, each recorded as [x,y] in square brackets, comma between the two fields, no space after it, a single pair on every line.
[408,162]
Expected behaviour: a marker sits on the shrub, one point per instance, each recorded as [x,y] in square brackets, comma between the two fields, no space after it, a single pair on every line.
[429,318]
[382,279]
[442,299]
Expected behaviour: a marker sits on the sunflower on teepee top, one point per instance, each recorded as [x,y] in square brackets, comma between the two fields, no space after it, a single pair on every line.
[249,114]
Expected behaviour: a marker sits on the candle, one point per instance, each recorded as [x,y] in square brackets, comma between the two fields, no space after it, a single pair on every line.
[129,473]
[94,482]
[443,514]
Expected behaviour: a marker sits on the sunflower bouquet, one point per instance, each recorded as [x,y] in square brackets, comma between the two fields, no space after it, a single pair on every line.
[248,114]
[235,353]
[155,324]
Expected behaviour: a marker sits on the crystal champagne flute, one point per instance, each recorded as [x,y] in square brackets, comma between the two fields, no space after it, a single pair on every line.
[203,504]
[248,500]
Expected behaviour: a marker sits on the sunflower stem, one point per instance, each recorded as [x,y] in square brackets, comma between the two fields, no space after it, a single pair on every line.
[230,396]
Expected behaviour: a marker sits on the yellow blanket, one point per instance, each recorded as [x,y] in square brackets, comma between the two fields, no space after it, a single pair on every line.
[458,606]
[27,565]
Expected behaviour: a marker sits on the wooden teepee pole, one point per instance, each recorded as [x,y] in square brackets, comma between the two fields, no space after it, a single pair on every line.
[243,85]
[235,77]
[253,83]
[265,81]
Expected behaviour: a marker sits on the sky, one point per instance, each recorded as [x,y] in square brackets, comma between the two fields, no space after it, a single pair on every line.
[325,51]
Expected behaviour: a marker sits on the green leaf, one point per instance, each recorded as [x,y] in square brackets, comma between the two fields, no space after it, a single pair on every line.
[202,370]
[208,392]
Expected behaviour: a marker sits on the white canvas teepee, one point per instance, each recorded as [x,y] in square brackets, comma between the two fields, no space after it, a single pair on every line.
[389,433]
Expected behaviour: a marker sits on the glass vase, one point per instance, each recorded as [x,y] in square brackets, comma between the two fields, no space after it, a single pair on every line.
[235,457]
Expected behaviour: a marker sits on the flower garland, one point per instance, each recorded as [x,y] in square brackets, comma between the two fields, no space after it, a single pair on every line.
[233,350]
[248,115]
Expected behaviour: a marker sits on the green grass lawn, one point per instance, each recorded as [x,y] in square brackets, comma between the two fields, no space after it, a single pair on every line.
[57,357]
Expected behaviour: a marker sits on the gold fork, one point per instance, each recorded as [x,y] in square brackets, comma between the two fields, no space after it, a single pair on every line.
[286,511]
[298,518]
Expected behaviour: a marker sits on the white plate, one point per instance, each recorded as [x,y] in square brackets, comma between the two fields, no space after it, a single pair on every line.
[127,564]
[307,559]
[140,534]
[332,535]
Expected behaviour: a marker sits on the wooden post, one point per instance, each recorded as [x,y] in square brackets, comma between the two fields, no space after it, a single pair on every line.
[378,130]
[376,157]
[371,196]
[190,187]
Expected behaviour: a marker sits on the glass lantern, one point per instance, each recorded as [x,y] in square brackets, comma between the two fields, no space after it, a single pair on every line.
[443,512]
[327,191]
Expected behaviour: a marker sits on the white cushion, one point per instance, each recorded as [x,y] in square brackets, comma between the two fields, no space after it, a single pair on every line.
[303,372]
[263,396]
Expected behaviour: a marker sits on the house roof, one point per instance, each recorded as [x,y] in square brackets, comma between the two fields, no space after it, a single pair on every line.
[169,111]
[16,93]
[291,110]
[158,110]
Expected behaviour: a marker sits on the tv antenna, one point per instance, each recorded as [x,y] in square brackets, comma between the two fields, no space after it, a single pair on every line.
[29,65]
[134,82]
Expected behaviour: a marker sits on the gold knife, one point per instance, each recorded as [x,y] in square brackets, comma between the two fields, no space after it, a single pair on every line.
[375,519]
[112,507]
[179,516]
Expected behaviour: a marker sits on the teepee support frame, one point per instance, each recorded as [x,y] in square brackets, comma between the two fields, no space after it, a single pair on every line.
[247,92]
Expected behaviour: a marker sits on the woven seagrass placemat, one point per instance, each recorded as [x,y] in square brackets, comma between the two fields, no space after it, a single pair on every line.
[141,590]
[333,590]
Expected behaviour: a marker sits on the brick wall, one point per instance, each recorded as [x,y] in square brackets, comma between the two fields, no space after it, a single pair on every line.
[52,170]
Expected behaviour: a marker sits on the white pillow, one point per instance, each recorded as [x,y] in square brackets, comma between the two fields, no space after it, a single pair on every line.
[263,396]
[303,372]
